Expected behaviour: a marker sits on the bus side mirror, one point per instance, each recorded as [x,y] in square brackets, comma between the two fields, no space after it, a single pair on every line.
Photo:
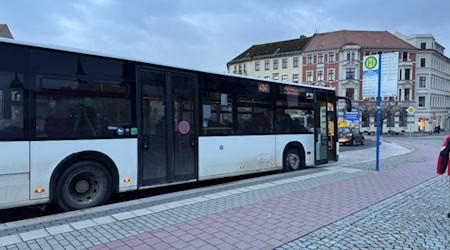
[348,105]
[348,102]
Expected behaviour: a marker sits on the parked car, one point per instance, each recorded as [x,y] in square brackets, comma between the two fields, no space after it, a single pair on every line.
[350,135]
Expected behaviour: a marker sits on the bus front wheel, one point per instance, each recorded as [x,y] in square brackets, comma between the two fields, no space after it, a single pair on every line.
[82,185]
[292,159]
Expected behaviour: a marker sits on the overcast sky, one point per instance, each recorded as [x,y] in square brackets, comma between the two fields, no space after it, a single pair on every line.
[206,34]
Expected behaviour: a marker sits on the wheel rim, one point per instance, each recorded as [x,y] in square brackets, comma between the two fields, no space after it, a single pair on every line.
[293,160]
[85,187]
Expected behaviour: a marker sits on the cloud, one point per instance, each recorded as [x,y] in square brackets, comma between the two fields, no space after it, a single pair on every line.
[206,34]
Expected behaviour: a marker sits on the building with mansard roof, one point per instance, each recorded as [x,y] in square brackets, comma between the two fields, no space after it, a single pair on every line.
[278,60]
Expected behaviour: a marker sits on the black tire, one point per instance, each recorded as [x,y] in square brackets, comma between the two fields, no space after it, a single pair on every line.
[362,142]
[353,142]
[82,185]
[448,215]
[293,159]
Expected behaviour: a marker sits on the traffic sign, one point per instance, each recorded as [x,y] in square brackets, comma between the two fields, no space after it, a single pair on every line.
[380,71]
[411,110]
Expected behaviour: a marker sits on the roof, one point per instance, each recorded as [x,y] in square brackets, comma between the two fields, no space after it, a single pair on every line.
[273,49]
[4,31]
[365,39]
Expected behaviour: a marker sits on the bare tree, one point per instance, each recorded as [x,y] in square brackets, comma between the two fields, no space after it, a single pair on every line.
[388,109]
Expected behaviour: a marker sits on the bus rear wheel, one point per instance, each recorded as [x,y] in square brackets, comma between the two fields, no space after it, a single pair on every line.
[82,185]
[292,159]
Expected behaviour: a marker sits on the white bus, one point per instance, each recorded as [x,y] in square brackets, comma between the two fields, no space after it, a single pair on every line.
[76,127]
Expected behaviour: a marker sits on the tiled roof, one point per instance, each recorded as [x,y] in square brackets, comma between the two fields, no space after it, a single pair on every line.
[4,31]
[273,49]
[365,39]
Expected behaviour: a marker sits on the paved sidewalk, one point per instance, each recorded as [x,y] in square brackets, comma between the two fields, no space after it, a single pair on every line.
[344,205]
[414,219]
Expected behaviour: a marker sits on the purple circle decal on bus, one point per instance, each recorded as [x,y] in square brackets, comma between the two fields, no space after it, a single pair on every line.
[184,127]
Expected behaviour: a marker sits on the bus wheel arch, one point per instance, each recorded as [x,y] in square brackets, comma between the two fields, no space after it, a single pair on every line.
[294,157]
[96,166]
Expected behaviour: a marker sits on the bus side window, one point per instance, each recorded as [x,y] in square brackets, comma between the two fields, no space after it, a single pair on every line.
[11,105]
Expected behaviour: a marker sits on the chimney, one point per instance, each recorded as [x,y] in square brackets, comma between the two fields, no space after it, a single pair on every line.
[4,31]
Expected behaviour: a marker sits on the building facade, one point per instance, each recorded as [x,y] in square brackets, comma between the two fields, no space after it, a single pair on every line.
[432,105]
[278,61]
[344,72]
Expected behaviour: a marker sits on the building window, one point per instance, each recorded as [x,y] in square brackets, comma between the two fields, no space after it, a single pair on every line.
[406,94]
[390,119]
[405,56]
[331,57]
[309,76]
[240,69]
[407,74]
[245,68]
[295,62]
[353,55]
[309,59]
[350,93]
[235,69]
[275,64]
[422,82]
[331,75]
[267,65]
[423,45]
[284,78]
[276,76]
[295,78]
[422,62]
[421,101]
[320,58]
[350,74]
[257,66]
[284,63]
[319,75]
[402,121]
[365,119]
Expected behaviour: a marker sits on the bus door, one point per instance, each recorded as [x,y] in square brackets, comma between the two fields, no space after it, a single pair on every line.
[168,142]
[332,127]
[321,128]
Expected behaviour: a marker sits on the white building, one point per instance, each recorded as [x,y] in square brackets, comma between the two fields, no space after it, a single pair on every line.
[433,83]
[278,61]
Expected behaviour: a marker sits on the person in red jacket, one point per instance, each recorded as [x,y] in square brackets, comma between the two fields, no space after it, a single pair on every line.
[443,162]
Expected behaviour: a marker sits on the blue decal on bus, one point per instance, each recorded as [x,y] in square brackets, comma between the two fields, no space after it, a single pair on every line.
[120,131]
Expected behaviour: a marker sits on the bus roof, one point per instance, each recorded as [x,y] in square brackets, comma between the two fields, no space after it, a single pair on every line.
[100,54]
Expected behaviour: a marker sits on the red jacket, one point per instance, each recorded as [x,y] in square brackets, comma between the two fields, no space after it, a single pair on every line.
[443,161]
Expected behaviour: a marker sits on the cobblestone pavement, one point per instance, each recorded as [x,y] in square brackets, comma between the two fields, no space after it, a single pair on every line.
[414,219]
[343,205]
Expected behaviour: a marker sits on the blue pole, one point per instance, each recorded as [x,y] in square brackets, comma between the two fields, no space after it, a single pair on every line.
[377,168]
